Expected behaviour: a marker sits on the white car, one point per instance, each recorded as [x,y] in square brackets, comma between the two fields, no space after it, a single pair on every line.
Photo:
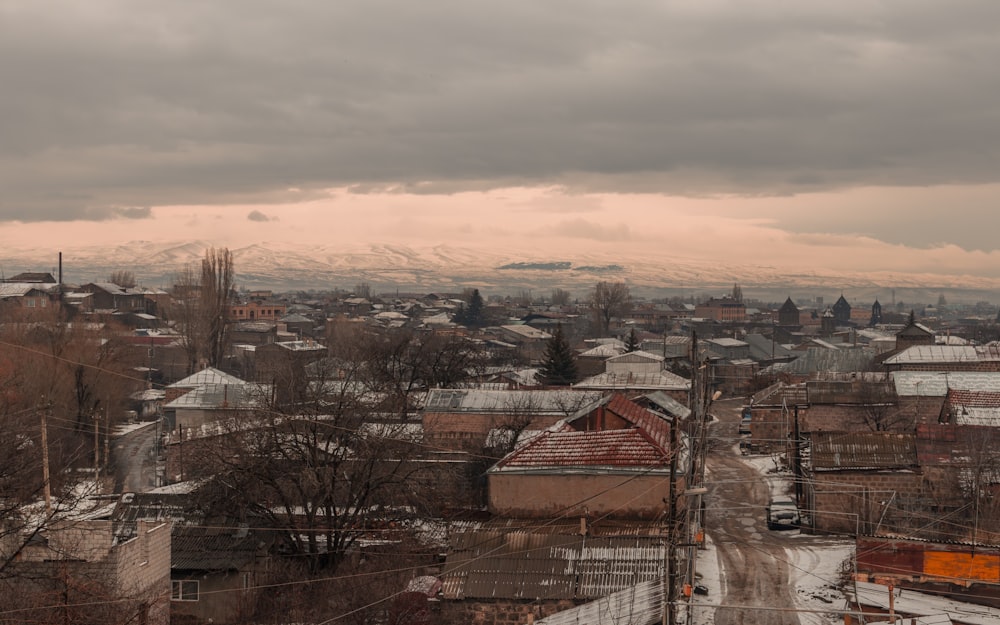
[782,513]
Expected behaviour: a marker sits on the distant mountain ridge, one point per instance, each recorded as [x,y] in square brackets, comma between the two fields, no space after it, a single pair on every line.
[451,268]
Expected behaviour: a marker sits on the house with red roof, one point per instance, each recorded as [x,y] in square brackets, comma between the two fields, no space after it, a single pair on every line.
[611,459]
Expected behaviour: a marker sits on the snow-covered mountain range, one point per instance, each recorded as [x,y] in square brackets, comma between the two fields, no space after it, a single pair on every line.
[451,268]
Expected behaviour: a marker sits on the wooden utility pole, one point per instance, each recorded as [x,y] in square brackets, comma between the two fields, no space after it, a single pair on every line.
[45,460]
[97,453]
[673,532]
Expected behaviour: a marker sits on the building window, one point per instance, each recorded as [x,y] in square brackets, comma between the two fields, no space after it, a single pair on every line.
[30,302]
[184,590]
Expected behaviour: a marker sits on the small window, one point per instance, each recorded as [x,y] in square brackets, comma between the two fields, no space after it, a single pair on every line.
[184,590]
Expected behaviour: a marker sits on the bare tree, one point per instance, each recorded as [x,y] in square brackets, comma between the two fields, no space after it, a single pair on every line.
[880,407]
[401,362]
[200,308]
[216,293]
[123,278]
[608,301]
[560,297]
[979,482]
[184,313]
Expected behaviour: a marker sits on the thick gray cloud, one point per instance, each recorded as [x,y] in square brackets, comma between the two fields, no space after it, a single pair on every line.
[111,103]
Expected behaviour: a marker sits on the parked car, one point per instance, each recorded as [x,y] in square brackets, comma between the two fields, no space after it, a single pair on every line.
[745,419]
[782,513]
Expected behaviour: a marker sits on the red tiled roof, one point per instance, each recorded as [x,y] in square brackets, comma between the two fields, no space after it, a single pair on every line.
[656,427]
[978,399]
[618,448]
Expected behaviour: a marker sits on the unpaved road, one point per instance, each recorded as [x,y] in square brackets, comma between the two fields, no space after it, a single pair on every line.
[754,561]
[134,460]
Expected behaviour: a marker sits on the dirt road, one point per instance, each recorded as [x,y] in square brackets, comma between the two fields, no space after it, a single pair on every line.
[135,460]
[754,560]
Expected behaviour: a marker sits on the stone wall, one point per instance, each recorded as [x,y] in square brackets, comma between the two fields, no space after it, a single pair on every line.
[470,612]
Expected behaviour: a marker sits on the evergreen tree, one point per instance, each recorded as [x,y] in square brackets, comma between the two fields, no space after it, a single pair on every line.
[474,313]
[632,344]
[471,314]
[559,365]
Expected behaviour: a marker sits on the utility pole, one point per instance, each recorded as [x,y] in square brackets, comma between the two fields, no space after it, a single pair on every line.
[673,531]
[97,453]
[45,459]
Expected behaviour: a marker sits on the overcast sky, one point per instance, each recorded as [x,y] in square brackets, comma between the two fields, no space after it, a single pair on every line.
[787,126]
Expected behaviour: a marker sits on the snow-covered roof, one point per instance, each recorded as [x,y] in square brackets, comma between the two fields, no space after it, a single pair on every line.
[636,356]
[606,350]
[915,603]
[555,401]
[207,376]
[19,289]
[659,381]
[930,354]
[726,342]
[217,396]
[937,383]
[527,332]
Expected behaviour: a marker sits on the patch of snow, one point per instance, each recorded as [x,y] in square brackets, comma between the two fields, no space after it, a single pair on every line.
[774,469]
[708,573]
[125,428]
[814,570]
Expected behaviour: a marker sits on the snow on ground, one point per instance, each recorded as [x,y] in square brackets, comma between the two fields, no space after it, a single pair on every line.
[773,468]
[814,568]
[125,428]
[814,564]
[709,574]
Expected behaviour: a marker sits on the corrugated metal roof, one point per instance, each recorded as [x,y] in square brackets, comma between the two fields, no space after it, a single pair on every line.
[603,351]
[727,342]
[660,381]
[986,417]
[924,354]
[636,357]
[213,396]
[518,565]
[194,548]
[206,376]
[818,359]
[561,401]
[862,450]
[641,604]
[527,332]
[668,404]
[937,383]
[19,289]
[780,393]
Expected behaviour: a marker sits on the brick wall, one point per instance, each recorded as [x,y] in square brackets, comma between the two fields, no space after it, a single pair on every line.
[468,431]
[854,501]
[545,495]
